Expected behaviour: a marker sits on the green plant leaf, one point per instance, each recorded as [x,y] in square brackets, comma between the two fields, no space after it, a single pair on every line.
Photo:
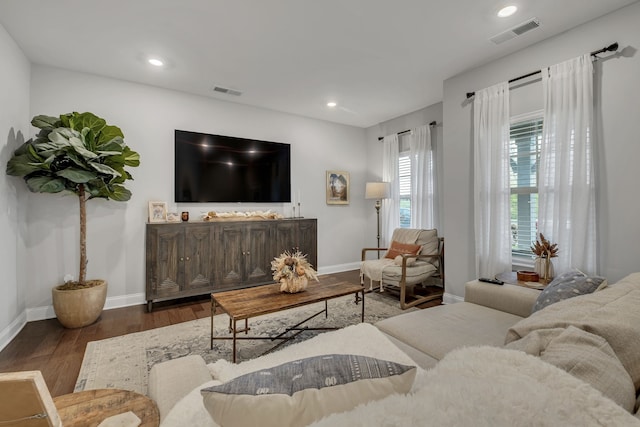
[21,166]
[76,175]
[108,134]
[107,153]
[45,147]
[116,144]
[131,158]
[104,169]
[59,137]
[23,149]
[78,146]
[119,193]
[34,155]
[97,188]
[75,158]
[45,122]
[79,121]
[45,184]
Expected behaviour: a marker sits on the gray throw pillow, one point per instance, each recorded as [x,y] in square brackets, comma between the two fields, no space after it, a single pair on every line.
[568,285]
[302,391]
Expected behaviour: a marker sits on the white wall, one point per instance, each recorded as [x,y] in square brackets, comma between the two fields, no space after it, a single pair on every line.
[374,152]
[14,123]
[617,147]
[148,116]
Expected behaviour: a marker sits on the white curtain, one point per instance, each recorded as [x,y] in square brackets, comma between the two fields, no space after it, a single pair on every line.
[567,188]
[491,183]
[423,184]
[390,207]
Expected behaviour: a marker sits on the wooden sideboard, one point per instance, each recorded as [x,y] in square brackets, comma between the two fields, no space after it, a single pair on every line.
[196,258]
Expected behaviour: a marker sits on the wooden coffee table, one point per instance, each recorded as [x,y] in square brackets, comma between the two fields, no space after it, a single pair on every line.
[90,407]
[243,304]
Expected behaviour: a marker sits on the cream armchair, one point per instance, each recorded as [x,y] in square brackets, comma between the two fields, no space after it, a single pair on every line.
[414,256]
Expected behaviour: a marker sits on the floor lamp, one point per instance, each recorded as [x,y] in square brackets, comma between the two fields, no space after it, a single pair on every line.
[377,191]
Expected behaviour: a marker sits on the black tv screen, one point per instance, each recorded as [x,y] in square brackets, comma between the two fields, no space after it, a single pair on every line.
[216,168]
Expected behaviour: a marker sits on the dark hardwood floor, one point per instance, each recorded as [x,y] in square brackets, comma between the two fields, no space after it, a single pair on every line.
[57,352]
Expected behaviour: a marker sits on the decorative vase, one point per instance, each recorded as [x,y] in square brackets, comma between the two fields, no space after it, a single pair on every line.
[544,267]
[79,307]
[297,284]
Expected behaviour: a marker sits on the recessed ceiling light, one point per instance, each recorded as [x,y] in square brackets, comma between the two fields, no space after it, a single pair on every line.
[507,11]
[156,62]
[331,104]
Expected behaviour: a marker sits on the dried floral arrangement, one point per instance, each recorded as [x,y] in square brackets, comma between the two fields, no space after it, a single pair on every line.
[292,271]
[543,248]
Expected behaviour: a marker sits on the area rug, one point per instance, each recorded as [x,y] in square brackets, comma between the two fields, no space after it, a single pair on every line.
[124,362]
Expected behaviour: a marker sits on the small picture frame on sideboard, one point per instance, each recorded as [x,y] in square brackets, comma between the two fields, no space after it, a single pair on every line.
[173,217]
[157,211]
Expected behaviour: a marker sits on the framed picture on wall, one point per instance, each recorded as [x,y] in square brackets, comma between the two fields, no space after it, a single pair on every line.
[338,188]
[157,211]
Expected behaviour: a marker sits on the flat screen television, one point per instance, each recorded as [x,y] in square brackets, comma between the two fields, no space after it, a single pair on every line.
[217,168]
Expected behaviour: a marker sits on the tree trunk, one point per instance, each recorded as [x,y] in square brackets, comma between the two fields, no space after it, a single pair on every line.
[83,236]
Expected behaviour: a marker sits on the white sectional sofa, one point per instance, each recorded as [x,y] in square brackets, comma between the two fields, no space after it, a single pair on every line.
[483,361]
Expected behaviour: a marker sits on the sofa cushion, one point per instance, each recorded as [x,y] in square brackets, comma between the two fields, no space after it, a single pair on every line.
[438,330]
[169,381]
[585,356]
[612,314]
[568,285]
[512,299]
[302,391]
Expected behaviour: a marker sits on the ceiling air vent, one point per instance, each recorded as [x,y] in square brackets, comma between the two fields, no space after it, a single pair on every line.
[518,30]
[226,90]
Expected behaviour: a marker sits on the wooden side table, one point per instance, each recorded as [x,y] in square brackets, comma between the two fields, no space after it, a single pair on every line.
[90,407]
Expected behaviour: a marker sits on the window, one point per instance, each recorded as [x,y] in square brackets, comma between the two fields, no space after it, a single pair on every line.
[524,156]
[404,169]
[404,172]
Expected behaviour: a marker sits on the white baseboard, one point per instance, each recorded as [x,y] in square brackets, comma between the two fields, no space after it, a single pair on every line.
[448,298]
[40,313]
[10,332]
[339,268]
[125,301]
[46,312]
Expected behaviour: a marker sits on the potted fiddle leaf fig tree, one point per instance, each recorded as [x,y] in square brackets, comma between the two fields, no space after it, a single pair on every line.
[81,154]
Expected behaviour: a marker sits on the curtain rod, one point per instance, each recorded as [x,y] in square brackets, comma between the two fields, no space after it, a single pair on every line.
[433,123]
[610,48]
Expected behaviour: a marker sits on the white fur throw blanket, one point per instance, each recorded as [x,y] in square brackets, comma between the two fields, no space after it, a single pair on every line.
[474,386]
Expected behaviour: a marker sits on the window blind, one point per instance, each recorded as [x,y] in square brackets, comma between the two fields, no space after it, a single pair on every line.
[524,155]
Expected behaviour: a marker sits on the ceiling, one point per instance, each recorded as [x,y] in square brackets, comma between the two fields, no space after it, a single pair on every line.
[377,59]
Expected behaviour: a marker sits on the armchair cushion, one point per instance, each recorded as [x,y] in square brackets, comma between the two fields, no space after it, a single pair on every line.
[417,273]
[398,248]
[398,261]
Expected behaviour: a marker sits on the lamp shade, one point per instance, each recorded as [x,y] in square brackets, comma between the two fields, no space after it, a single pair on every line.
[377,190]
